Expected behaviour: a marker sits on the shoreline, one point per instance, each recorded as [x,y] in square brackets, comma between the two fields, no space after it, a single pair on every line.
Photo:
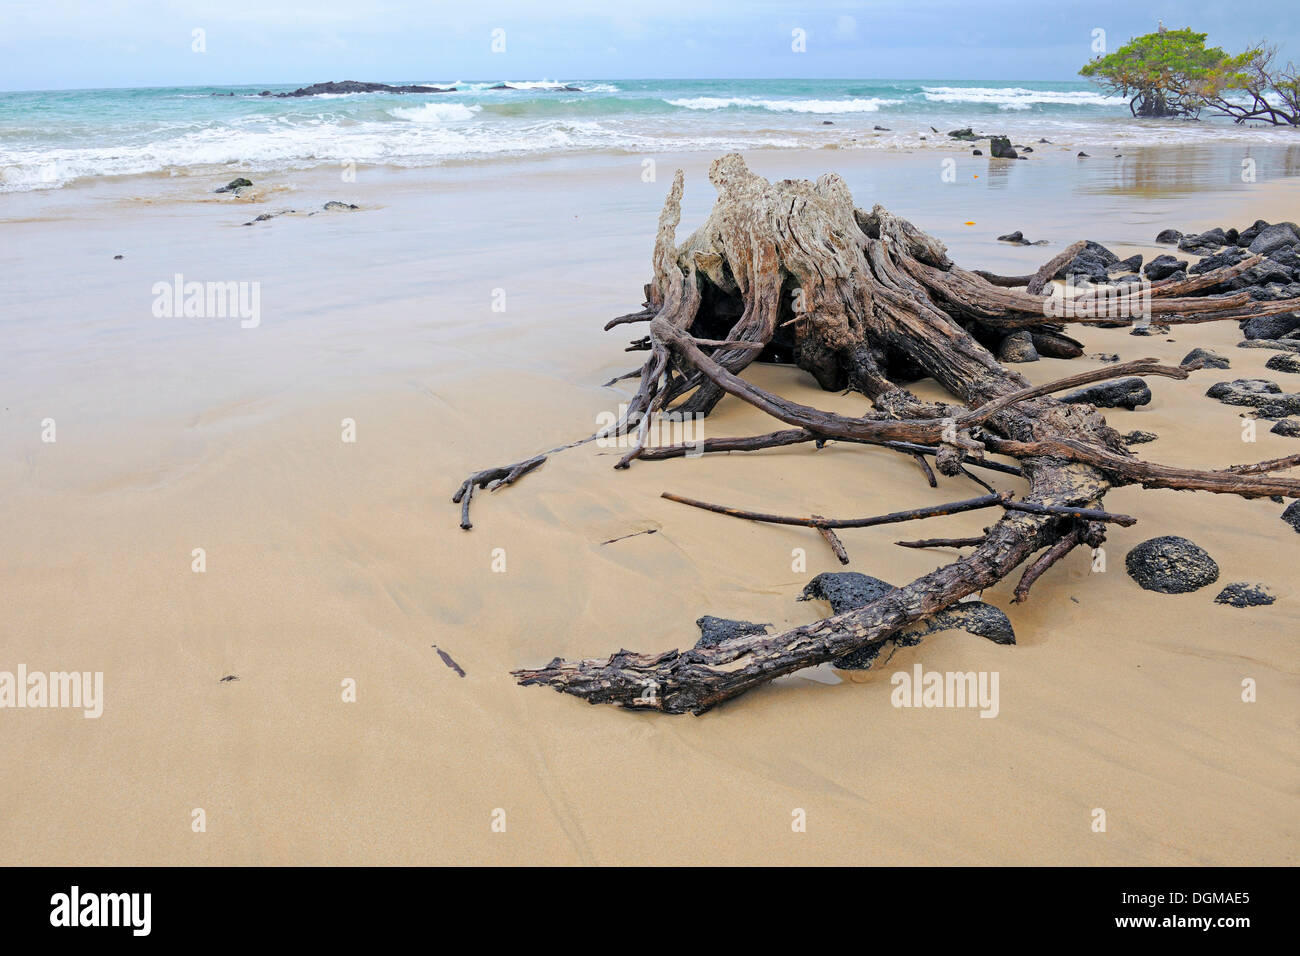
[185,131]
[1282,160]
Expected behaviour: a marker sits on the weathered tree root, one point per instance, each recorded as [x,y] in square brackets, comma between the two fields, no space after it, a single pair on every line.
[992,500]
[1090,533]
[943,542]
[491,479]
[792,270]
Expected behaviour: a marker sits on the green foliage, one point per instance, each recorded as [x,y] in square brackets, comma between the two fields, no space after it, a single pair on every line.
[1173,73]
[1162,72]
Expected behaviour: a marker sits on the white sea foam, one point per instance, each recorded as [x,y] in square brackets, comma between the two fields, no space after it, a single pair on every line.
[859,105]
[535,84]
[435,112]
[1018,98]
[282,147]
[210,136]
[542,85]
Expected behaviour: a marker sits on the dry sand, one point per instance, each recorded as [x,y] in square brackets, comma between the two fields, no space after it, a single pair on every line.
[328,560]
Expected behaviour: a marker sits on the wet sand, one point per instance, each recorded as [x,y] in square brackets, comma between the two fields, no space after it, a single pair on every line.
[329,560]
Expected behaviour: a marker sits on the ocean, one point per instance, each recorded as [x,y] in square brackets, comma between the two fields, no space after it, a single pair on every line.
[56,138]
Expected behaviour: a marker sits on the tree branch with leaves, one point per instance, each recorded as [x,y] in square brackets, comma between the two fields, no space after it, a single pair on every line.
[1161,74]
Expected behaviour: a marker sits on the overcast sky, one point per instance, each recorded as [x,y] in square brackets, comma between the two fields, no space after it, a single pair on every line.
[61,44]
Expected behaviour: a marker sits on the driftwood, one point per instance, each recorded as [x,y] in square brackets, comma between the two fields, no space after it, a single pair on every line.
[861,300]
[942,542]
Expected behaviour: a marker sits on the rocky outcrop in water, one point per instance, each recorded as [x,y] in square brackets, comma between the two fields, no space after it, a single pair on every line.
[1019,239]
[543,89]
[1000,148]
[234,186]
[353,86]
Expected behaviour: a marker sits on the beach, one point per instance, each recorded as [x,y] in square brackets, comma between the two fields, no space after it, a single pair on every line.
[454,319]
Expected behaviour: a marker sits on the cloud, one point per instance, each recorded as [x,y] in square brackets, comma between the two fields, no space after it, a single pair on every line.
[69,43]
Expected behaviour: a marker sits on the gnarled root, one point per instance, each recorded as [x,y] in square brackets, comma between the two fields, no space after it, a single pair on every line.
[793,271]
[491,479]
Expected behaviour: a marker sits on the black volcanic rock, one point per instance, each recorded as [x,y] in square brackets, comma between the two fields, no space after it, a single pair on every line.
[1247,235]
[1097,250]
[1094,262]
[715,630]
[846,590]
[234,185]
[1171,565]
[1230,256]
[1000,148]
[1259,393]
[353,86]
[1131,264]
[1275,236]
[1292,515]
[1018,347]
[1270,326]
[1242,594]
[1139,437]
[1019,239]
[1284,362]
[1261,275]
[1162,267]
[1122,393]
[1281,345]
[1207,358]
[1205,243]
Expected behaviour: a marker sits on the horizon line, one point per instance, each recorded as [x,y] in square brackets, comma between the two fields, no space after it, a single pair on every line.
[592,79]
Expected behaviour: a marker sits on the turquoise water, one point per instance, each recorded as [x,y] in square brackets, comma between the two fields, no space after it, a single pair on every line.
[51,139]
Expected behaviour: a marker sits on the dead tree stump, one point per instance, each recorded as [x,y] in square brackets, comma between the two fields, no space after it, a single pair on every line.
[793,270]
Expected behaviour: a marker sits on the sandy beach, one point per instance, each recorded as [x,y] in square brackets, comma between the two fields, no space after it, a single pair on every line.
[330,561]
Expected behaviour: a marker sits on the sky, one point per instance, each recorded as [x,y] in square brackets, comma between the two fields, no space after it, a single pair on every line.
[64,44]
